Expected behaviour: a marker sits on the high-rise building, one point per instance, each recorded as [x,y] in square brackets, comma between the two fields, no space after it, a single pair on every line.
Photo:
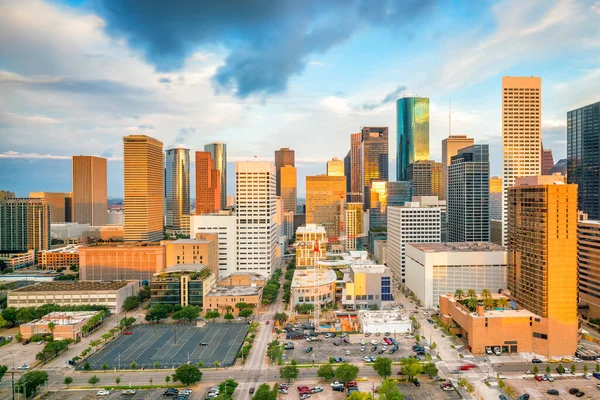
[374,142]
[450,147]
[412,121]
[496,198]
[378,202]
[283,157]
[354,226]
[177,186]
[588,256]
[143,171]
[583,156]
[356,168]
[469,195]
[24,224]
[560,167]
[224,224]
[325,202]
[89,190]
[60,205]
[542,259]
[547,161]
[288,187]
[257,228]
[411,223]
[218,152]
[521,133]
[399,193]
[208,184]
[427,178]
[4,194]
[348,174]
[335,167]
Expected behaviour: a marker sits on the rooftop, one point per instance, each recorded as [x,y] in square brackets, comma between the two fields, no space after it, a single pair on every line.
[189,241]
[382,316]
[182,268]
[310,228]
[495,313]
[64,318]
[461,247]
[307,277]
[369,269]
[72,286]
[73,249]
[234,291]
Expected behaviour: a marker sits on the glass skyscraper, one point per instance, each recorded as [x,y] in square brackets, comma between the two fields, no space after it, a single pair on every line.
[583,157]
[412,121]
[177,186]
[399,193]
[374,158]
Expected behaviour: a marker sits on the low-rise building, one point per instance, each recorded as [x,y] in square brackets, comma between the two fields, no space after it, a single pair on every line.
[17,259]
[68,230]
[223,297]
[63,257]
[243,279]
[367,286]
[204,249]
[433,269]
[66,325]
[309,238]
[183,284]
[112,295]
[382,321]
[308,284]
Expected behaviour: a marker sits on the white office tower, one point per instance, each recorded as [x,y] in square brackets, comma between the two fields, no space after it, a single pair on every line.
[411,223]
[224,224]
[257,227]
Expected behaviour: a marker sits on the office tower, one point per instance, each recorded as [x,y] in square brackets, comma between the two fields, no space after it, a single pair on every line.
[208,184]
[60,205]
[4,194]
[496,198]
[89,190]
[356,168]
[378,202]
[348,174]
[354,226]
[542,258]
[143,171]
[283,157]
[583,157]
[24,224]
[224,224]
[399,193]
[547,161]
[560,167]
[411,223]
[325,201]
[412,122]
[335,167]
[374,143]
[218,152]
[521,133]
[496,231]
[177,186]
[469,195]
[288,187]
[257,238]
[427,178]
[434,201]
[307,238]
[588,256]
[450,147]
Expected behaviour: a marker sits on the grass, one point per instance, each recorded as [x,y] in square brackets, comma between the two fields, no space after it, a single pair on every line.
[5,342]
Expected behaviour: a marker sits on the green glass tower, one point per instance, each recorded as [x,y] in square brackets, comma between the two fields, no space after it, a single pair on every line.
[412,121]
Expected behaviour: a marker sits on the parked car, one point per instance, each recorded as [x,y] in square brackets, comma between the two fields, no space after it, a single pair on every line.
[553,360]
[351,384]
[128,392]
[127,333]
[366,359]
[579,394]
[466,367]
[337,384]
[304,396]
[577,360]
[316,389]
[566,360]
[337,388]
[348,352]
[367,334]
[538,378]
[103,393]
[417,383]
[536,361]
[308,349]
[363,348]
[283,391]
[573,391]
[596,375]
[303,387]
[170,392]
[553,392]
[374,348]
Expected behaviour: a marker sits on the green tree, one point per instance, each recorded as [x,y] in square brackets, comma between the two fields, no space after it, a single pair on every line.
[212,315]
[280,317]
[585,369]
[188,313]
[472,303]
[200,364]
[226,388]
[3,369]
[156,365]
[241,305]
[486,294]
[289,372]
[157,312]
[383,366]
[488,303]
[572,368]
[597,367]
[188,374]
[10,316]
[86,366]
[131,302]
[430,369]
[535,369]
[216,364]
[67,381]
[471,293]
[117,380]
[359,396]
[346,372]
[411,367]
[133,365]
[502,302]
[459,294]
[325,371]
[105,366]
[167,379]
[93,380]
[228,317]
[246,312]
[264,392]
[31,381]
[51,326]
[548,369]
[389,391]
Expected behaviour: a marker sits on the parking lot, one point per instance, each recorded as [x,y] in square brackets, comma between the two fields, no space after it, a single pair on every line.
[537,390]
[428,390]
[171,346]
[116,394]
[326,348]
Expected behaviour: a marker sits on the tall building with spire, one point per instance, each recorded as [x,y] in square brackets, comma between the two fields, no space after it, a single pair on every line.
[450,147]
[412,122]
[218,152]
[177,187]
[90,199]
[208,184]
[143,187]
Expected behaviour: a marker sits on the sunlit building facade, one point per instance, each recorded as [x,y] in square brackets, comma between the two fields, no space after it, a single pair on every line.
[325,201]
[356,167]
[450,147]
[90,191]
[412,121]
[427,178]
[287,176]
[588,258]
[378,202]
[60,205]
[24,224]
[335,167]
[496,198]
[208,184]
[177,187]
[374,157]
[218,153]
[354,226]
[283,157]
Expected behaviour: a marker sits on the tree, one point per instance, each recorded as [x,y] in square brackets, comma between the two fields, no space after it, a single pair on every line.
[188,312]
[125,322]
[188,374]
[227,387]
[31,381]
[289,372]
[3,369]
[67,381]
[241,305]
[471,293]
[167,379]
[228,317]
[156,365]
[264,392]
[200,364]
[86,366]
[488,303]
[597,367]
[383,366]
[10,316]
[216,364]
[486,294]
[548,369]
[459,294]
[389,391]
[280,317]
[572,368]
[105,366]
[246,312]
[430,369]
[117,380]
[411,367]
[325,371]
[157,312]
[131,302]
[346,372]
[133,365]
[51,326]
[359,396]
[93,380]
[212,315]
[502,302]
[535,370]
[472,303]
[585,369]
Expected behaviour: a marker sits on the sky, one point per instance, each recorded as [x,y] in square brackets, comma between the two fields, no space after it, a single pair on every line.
[76,76]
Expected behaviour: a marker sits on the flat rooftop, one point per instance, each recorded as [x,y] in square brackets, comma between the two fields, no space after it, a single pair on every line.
[189,241]
[382,316]
[308,277]
[310,228]
[461,247]
[369,268]
[72,249]
[495,313]
[64,318]
[72,286]
[182,268]
[234,291]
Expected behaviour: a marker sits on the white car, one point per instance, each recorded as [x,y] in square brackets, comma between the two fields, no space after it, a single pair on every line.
[489,351]
[587,376]
[348,352]
[363,348]
[598,360]
[103,393]
[366,359]
[337,384]
[577,360]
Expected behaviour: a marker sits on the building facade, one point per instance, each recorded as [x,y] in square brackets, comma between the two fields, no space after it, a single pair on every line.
[450,147]
[426,177]
[311,244]
[61,207]
[399,193]
[354,227]
[412,122]
[468,201]
[283,157]
[218,153]
[368,287]
[224,224]
[203,249]
[177,187]
[208,184]
[335,167]
[182,285]
[224,298]
[288,187]
[547,161]
[378,202]
[66,325]
[374,143]
[24,224]
[325,202]
[356,169]
[496,197]
[90,196]
[310,286]
[588,260]
[63,257]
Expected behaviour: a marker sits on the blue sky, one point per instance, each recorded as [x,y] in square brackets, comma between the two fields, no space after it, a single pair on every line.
[76,76]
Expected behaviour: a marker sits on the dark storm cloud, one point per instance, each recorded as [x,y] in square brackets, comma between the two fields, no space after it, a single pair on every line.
[269,40]
[392,96]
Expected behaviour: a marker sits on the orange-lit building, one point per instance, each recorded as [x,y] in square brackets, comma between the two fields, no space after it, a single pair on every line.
[242,279]
[222,297]
[208,184]
[288,183]
[89,190]
[306,241]
[202,250]
[60,205]
[325,202]
[67,325]
[588,239]
[63,257]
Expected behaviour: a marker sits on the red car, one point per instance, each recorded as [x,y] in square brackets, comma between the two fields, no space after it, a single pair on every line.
[127,333]
[303,387]
[538,378]
[351,384]
[387,340]
[466,367]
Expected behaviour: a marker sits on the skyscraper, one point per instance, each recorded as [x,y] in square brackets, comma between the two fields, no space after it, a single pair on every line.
[427,178]
[24,224]
[542,259]
[335,167]
[547,161]
[399,193]
[143,173]
[521,132]
[583,156]
[354,227]
[218,152]
[348,174]
[208,184]
[61,205]
[257,228]
[356,168]
[89,190]
[283,156]
[468,201]
[289,187]
[374,157]
[412,122]
[450,147]
[588,254]
[177,186]
[378,202]
[496,198]
[325,201]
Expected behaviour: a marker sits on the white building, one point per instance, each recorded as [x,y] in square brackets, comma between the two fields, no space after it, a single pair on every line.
[224,224]
[68,230]
[257,226]
[411,223]
[392,321]
[434,269]
[380,251]
[115,217]
[307,284]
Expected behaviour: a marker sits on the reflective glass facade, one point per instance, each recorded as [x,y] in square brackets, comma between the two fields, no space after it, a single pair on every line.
[412,121]
[218,152]
[177,186]
[374,157]
[399,193]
